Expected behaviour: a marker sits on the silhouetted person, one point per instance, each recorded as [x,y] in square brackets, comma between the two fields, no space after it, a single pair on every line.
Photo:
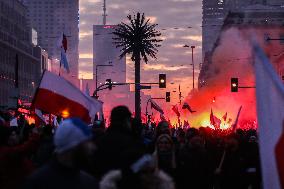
[119,146]
[72,141]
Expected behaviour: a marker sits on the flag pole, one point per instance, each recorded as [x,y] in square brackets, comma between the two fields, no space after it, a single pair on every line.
[60,62]
[237,119]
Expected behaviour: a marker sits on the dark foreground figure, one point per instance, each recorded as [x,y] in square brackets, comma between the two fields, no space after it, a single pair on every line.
[127,154]
[72,141]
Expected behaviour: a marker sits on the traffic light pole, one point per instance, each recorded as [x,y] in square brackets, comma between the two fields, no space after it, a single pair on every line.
[247,87]
[100,88]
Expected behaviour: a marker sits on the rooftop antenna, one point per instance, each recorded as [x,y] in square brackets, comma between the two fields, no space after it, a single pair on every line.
[104,15]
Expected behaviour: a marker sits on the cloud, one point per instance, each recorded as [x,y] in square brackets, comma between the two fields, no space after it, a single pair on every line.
[197,38]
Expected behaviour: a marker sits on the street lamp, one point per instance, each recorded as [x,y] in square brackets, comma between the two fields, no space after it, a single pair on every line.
[192,47]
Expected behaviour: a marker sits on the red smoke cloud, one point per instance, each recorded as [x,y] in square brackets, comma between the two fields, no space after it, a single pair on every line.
[232,58]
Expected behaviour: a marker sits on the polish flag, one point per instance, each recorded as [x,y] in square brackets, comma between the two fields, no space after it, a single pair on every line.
[270,110]
[215,121]
[57,96]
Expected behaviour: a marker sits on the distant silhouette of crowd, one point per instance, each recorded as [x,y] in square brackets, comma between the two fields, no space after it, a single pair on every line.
[126,154]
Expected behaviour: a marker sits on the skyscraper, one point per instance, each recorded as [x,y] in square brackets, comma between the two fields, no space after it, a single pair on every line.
[20,69]
[105,53]
[215,11]
[265,18]
[212,21]
[52,18]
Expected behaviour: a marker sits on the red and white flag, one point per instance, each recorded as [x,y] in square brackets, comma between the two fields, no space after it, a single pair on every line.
[57,96]
[270,111]
[156,106]
[175,109]
[215,121]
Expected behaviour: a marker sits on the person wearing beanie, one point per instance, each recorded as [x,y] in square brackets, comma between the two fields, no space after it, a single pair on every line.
[72,141]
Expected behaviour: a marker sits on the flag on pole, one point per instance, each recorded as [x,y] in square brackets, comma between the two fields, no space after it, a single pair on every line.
[225,116]
[156,106]
[215,121]
[234,126]
[64,61]
[57,96]
[175,109]
[186,106]
[270,111]
[186,124]
[62,44]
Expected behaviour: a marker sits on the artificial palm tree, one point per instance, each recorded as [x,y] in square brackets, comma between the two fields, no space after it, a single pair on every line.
[138,38]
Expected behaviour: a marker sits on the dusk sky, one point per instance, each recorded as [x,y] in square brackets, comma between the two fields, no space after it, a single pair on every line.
[182,21]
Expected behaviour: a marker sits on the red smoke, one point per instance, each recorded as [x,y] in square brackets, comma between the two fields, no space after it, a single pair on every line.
[232,58]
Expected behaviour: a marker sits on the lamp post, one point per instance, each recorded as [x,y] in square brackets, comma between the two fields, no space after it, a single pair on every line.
[100,65]
[192,47]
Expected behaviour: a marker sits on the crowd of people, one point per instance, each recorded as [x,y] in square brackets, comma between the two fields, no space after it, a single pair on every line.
[127,154]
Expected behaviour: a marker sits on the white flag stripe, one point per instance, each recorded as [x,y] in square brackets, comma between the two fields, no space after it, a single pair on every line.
[60,86]
[270,106]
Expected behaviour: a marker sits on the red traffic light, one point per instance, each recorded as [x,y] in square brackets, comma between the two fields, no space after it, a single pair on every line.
[234,84]
[168,96]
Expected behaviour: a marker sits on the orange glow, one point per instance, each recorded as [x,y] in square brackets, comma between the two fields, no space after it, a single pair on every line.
[30,120]
[65,114]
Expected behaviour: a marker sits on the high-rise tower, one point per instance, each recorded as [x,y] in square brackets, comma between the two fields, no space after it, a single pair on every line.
[51,18]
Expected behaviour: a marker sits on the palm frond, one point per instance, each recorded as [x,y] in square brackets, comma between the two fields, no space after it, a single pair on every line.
[138,37]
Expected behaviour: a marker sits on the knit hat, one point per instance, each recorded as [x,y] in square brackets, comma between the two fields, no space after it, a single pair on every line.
[70,133]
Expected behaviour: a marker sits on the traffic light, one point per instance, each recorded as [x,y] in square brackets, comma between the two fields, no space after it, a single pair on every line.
[109,83]
[162,80]
[234,84]
[168,96]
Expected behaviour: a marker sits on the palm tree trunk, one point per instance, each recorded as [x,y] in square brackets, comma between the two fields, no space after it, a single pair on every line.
[137,87]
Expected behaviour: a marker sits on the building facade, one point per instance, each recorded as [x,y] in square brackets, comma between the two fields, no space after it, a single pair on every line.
[214,13]
[15,41]
[42,55]
[105,53]
[52,18]
[261,21]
